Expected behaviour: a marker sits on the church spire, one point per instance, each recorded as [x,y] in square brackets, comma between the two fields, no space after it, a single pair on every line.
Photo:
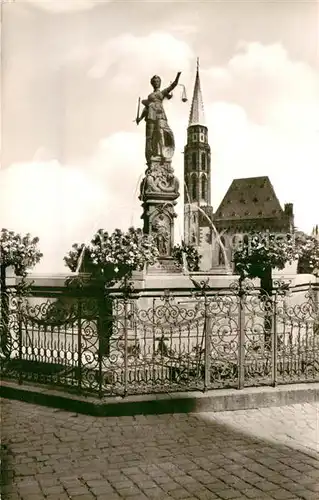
[196,116]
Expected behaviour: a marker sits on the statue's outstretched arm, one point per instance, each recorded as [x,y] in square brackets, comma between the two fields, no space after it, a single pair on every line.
[172,86]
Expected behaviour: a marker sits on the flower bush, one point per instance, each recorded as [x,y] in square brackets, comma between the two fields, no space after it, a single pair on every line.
[20,252]
[190,253]
[261,252]
[132,249]
[308,262]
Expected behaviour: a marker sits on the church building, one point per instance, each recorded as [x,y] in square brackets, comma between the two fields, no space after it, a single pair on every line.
[249,205]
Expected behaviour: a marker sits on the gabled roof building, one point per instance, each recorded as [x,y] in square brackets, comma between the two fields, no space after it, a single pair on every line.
[251,204]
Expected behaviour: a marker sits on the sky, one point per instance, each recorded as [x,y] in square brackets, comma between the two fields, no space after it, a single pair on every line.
[72,157]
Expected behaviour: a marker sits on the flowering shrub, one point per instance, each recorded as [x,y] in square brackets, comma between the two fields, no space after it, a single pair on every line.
[261,252]
[20,252]
[308,262]
[131,250]
[78,256]
[190,253]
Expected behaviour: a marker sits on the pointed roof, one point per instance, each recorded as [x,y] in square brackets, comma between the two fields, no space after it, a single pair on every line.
[196,116]
[250,198]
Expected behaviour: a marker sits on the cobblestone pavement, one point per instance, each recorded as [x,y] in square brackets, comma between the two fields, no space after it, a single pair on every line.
[258,454]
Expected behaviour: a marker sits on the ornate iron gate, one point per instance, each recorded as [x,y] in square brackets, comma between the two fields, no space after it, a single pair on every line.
[134,344]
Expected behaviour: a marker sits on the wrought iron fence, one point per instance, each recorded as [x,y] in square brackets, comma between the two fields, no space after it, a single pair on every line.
[133,344]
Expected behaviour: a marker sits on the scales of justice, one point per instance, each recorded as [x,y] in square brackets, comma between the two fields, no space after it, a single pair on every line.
[159,188]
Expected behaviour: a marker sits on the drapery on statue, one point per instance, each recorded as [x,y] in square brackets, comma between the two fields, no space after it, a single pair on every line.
[159,137]
[162,235]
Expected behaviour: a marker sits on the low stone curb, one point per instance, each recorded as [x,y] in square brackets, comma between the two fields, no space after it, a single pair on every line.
[183,402]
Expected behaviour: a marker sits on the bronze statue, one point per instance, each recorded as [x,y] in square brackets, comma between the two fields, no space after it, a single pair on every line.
[159,137]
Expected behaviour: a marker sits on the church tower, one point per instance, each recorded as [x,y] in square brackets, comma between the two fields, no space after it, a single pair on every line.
[197,170]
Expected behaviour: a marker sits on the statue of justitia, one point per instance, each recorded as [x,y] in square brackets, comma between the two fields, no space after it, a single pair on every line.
[159,137]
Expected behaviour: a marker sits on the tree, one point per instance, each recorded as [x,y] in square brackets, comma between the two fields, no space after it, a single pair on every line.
[256,257]
[113,254]
[109,258]
[308,262]
[189,253]
[259,253]
[21,253]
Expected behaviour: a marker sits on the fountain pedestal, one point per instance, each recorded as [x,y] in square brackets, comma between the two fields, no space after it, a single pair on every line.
[159,192]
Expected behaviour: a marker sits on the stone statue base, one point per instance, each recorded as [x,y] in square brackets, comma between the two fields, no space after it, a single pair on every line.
[165,266]
[159,191]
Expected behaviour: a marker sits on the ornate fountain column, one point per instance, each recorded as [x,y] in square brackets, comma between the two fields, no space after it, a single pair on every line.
[159,188]
[159,192]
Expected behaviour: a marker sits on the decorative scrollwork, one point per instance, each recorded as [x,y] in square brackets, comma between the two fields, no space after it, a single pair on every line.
[159,179]
[201,287]
[126,287]
[282,287]
[242,287]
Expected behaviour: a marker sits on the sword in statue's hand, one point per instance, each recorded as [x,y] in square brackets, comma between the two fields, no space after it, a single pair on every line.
[137,119]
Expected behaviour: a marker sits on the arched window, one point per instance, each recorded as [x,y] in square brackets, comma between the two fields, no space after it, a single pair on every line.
[204,187]
[194,193]
[221,256]
[194,161]
[203,161]
[194,187]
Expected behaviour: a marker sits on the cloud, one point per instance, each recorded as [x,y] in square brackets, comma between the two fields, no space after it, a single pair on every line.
[183,29]
[273,89]
[93,86]
[63,6]
[60,204]
[129,58]
[119,164]
[63,204]
[265,121]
